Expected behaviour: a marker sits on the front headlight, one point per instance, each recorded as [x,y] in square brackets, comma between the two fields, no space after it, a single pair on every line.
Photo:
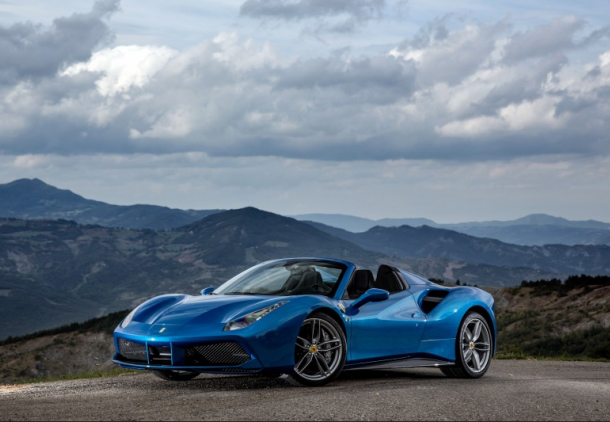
[248,320]
[129,318]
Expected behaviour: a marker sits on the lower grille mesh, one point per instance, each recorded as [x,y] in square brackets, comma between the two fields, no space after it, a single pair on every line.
[217,354]
[132,351]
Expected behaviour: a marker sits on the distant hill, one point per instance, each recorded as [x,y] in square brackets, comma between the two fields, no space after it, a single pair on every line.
[429,242]
[533,230]
[359,224]
[34,199]
[540,235]
[536,220]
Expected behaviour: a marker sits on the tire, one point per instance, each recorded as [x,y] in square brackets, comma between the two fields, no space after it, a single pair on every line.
[474,350]
[320,352]
[176,376]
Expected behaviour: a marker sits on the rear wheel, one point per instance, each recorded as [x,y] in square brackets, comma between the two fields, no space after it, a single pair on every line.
[474,349]
[175,375]
[320,352]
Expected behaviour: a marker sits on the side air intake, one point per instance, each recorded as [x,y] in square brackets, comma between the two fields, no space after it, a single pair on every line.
[433,299]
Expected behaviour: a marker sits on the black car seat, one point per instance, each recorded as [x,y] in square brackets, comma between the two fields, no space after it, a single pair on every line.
[301,277]
[311,278]
[388,280]
[362,282]
[295,279]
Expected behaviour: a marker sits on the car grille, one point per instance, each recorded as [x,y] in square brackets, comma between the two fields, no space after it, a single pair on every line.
[132,351]
[217,354]
[240,371]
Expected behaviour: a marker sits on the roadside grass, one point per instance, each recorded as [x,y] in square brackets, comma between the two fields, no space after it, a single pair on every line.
[81,376]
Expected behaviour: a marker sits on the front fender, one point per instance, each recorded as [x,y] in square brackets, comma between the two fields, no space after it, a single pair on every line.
[274,338]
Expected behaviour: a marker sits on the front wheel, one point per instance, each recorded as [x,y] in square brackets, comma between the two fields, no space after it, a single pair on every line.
[176,376]
[320,352]
[474,349]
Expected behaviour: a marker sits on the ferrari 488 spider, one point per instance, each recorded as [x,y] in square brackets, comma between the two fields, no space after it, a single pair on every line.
[310,319]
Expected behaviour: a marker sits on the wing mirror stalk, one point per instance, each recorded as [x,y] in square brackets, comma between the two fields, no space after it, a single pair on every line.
[373,295]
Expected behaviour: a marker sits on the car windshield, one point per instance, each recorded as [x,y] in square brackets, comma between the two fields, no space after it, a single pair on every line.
[286,278]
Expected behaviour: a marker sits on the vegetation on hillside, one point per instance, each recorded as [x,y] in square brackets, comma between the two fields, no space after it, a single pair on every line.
[105,324]
[542,287]
[556,319]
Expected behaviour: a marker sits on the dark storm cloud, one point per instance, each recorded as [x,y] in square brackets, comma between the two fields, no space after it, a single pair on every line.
[30,51]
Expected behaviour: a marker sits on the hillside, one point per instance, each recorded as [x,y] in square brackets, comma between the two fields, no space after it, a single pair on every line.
[429,242]
[67,351]
[69,272]
[33,199]
[554,322]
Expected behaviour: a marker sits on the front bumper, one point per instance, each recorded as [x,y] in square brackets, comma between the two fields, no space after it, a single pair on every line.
[262,347]
[202,356]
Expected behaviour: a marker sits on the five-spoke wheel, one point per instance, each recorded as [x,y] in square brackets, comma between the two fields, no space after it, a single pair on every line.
[474,349]
[320,352]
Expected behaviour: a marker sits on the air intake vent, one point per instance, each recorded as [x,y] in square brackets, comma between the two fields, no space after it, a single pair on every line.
[433,299]
[132,351]
[160,355]
[217,354]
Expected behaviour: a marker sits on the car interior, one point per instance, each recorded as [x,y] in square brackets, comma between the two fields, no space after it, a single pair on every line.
[388,279]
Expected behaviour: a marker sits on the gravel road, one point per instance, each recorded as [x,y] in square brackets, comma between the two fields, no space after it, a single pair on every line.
[512,390]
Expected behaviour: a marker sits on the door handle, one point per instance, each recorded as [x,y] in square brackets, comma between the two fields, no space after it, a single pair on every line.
[417,315]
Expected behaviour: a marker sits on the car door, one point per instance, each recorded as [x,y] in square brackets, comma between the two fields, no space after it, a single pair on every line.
[393,328]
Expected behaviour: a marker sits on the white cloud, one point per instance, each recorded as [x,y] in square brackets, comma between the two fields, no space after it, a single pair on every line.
[124,67]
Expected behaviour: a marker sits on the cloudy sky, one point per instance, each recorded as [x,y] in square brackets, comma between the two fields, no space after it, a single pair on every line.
[451,110]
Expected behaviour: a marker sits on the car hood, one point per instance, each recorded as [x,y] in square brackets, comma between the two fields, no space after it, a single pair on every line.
[203,310]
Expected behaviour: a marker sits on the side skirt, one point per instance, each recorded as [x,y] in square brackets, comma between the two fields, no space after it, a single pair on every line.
[403,364]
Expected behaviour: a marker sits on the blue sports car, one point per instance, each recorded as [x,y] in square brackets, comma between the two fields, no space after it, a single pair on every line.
[310,319]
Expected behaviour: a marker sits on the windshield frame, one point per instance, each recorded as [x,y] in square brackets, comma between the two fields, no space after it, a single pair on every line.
[345,267]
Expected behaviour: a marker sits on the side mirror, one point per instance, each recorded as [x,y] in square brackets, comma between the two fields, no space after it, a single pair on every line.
[373,295]
[208,291]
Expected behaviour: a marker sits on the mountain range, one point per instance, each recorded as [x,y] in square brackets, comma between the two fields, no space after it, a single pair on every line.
[532,230]
[34,199]
[430,242]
